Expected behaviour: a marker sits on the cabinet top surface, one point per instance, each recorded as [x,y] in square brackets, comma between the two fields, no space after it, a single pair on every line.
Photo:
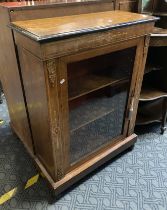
[44,3]
[67,26]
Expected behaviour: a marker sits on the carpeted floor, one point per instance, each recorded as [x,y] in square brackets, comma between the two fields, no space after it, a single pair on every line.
[135,180]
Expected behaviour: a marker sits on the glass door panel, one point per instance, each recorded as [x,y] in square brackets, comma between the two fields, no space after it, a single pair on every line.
[98,91]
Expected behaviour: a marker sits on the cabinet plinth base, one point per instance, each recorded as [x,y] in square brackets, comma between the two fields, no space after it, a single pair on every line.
[84,169]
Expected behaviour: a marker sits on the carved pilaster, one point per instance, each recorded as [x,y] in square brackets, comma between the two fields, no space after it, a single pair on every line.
[57,145]
[51,68]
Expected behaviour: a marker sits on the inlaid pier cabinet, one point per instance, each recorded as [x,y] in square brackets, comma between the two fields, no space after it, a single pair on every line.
[82,77]
[9,71]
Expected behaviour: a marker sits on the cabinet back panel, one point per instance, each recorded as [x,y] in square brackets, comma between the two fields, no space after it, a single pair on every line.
[60,11]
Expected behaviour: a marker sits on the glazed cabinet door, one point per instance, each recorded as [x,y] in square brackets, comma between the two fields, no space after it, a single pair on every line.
[97,90]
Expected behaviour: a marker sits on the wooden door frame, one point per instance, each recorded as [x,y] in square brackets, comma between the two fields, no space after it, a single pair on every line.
[63,61]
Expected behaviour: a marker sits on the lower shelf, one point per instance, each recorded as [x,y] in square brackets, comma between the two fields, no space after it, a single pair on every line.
[150,93]
[95,123]
[149,68]
[159,32]
[144,120]
[149,112]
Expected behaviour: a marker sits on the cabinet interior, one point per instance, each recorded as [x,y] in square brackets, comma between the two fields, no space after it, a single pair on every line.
[97,95]
[156,69]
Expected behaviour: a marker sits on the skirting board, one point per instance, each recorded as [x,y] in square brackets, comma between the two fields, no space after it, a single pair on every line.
[84,169]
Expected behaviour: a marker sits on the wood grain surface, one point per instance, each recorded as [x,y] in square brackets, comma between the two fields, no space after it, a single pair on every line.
[43,3]
[58,27]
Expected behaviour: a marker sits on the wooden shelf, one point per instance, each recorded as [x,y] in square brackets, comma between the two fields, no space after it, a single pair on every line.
[96,122]
[158,37]
[159,32]
[150,68]
[164,14]
[150,93]
[91,83]
[144,120]
[93,109]
[149,111]
[100,115]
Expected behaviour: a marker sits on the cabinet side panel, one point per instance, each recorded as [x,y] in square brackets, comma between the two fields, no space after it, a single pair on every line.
[10,78]
[37,103]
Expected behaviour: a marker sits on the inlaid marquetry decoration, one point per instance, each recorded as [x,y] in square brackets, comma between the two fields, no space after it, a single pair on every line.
[51,68]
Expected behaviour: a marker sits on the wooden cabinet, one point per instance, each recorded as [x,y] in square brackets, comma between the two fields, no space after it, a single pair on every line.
[10,74]
[82,84]
[153,99]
